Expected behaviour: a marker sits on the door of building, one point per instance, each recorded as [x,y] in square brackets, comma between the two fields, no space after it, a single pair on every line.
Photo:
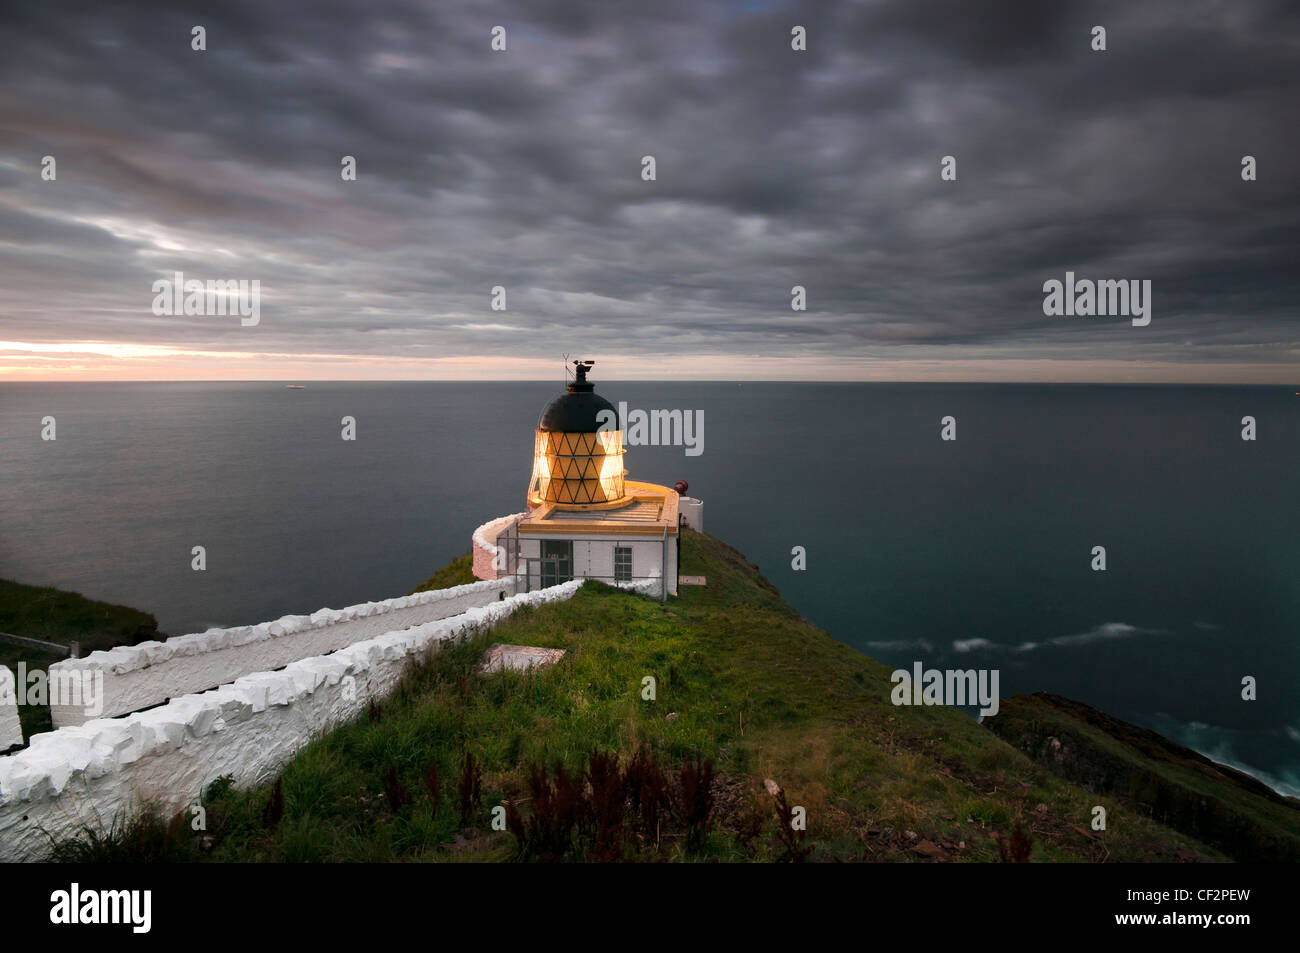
[557,561]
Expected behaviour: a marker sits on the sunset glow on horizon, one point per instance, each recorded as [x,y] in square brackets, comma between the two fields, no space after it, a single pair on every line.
[90,361]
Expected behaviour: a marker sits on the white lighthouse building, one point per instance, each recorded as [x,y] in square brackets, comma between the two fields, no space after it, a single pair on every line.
[585,519]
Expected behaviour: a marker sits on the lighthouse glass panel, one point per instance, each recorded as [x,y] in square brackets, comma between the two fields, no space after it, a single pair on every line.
[579,468]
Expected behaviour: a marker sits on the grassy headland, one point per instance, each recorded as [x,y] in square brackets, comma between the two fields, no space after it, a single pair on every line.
[744,688]
[1236,813]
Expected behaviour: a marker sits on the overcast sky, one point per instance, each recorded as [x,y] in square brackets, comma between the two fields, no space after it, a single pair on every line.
[774,168]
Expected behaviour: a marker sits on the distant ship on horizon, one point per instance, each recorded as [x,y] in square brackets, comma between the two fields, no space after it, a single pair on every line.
[295,386]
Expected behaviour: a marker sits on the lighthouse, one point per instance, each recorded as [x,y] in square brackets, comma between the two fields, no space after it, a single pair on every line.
[578,456]
[585,519]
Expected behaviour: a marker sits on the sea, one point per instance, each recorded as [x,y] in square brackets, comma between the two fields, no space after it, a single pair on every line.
[975,552]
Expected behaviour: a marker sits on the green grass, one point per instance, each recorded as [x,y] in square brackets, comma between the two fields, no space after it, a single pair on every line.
[52,615]
[458,572]
[750,685]
[42,612]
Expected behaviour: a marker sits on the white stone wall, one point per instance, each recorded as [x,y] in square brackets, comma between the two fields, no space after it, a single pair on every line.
[486,540]
[11,732]
[486,536]
[97,773]
[137,676]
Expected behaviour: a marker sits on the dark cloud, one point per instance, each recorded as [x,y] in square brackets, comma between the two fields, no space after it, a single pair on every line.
[775,168]
[993,33]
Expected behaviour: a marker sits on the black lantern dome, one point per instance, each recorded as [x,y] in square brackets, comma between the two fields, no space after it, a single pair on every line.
[578,411]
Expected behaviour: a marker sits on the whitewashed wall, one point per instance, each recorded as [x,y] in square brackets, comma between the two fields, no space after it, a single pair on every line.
[598,556]
[97,773]
[11,732]
[650,558]
[137,676]
[486,540]
[692,510]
